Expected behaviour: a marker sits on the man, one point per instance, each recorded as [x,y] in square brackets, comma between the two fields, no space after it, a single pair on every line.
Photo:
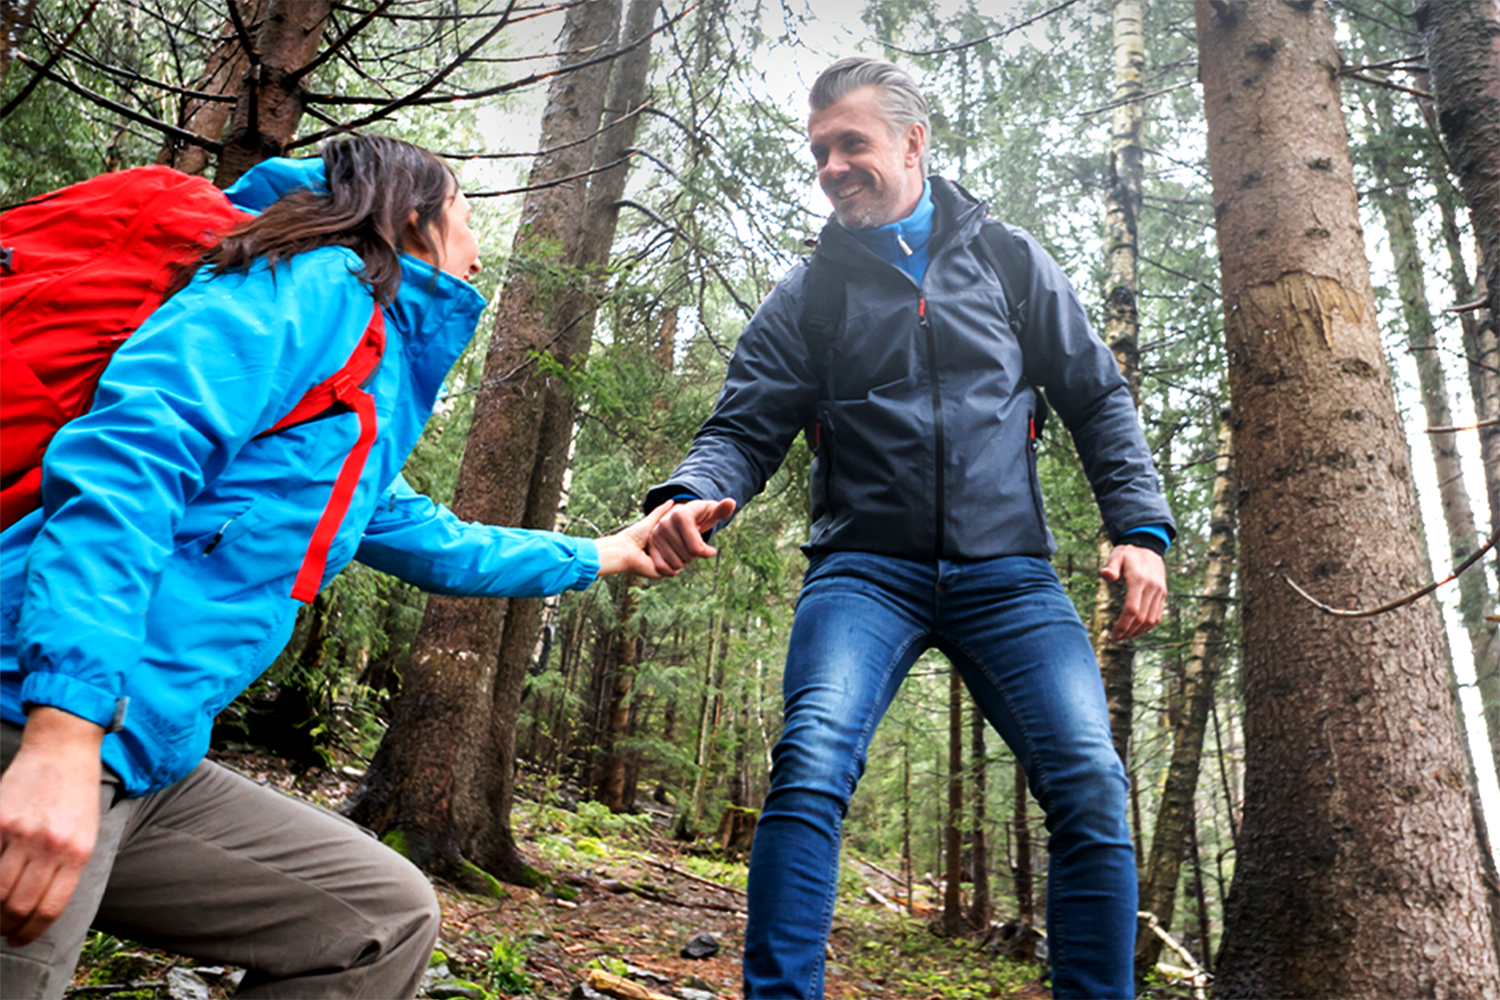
[928,529]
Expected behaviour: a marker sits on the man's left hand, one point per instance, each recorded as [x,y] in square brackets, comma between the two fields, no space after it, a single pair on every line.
[1145,576]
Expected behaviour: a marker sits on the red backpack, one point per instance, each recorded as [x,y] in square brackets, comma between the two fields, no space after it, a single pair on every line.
[80,269]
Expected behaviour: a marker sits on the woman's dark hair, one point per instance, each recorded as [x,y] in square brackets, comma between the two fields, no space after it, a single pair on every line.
[374,185]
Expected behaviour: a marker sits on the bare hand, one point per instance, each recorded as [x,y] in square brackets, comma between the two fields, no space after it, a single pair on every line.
[625,551]
[49,819]
[678,539]
[1145,575]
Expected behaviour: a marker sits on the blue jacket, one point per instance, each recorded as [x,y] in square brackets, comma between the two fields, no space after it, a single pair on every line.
[924,409]
[153,585]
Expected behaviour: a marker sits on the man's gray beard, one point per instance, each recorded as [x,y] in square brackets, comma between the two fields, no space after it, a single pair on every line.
[856,220]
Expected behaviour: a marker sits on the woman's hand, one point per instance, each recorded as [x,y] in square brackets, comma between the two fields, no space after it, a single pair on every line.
[49,820]
[625,551]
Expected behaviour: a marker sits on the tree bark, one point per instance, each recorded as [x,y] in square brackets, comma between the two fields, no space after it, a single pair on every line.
[981,905]
[15,21]
[1176,815]
[610,788]
[1122,209]
[223,73]
[444,776]
[272,99]
[1463,57]
[1357,872]
[1023,876]
[953,904]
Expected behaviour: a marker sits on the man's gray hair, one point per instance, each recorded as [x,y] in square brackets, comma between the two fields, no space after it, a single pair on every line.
[901,103]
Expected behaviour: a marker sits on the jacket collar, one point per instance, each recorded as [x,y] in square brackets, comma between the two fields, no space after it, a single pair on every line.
[429,303]
[956,216]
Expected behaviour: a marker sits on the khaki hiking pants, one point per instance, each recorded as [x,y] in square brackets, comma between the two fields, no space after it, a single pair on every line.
[228,872]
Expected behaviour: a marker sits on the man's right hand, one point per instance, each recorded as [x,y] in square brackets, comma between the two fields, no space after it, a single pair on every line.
[49,819]
[677,538]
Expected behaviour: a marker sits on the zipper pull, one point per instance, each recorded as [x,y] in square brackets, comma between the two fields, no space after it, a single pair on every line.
[213,542]
[922,311]
[1031,430]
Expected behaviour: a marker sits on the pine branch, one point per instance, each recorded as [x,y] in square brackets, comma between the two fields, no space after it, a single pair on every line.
[46,68]
[1401,602]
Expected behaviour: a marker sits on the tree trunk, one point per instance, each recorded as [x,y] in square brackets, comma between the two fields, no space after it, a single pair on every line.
[223,73]
[953,912]
[981,906]
[610,788]
[1357,872]
[1175,814]
[271,101]
[1023,877]
[15,21]
[1394,203]
[444,775]
[1462,39]
[1122,210]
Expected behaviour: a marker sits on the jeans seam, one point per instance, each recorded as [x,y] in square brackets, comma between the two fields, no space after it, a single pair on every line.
[831,900]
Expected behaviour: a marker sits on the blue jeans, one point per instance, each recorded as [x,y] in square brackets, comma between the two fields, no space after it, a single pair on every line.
[1013,635]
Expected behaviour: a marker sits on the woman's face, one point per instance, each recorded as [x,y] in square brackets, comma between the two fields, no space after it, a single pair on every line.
[456,250]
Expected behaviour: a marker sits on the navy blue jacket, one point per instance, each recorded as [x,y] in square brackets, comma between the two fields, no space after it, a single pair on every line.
[924,414]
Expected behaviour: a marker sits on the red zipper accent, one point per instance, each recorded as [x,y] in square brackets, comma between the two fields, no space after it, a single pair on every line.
[922,307]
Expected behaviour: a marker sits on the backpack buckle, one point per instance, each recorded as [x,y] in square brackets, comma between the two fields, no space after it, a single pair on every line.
[7,257]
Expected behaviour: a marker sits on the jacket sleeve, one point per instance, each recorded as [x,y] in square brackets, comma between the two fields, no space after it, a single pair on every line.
[1083,384]
[768,396]
[428,546]
[217,364]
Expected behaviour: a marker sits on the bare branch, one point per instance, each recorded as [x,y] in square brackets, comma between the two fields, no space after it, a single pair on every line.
[338,43]
[1493,421]
[545,152]
[1411,598]
[980,41]
[557,182]
[180,134]
[46,67]
[416,99]
[1375,80]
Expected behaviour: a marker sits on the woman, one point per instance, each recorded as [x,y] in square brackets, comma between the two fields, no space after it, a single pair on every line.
[156,583]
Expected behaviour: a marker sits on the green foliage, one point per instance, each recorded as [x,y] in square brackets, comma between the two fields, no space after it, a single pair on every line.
[908,959]
[506,969]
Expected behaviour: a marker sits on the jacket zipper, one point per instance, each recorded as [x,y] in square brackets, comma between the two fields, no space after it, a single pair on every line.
[939,481]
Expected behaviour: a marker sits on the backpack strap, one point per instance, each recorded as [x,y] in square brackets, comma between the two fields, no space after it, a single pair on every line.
[1008,259]
[341,392]
[822,310]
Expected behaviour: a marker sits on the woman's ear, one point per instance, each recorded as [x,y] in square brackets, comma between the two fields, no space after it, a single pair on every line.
[416,243]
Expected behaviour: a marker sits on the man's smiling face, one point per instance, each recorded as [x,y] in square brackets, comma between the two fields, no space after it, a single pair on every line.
[871,176]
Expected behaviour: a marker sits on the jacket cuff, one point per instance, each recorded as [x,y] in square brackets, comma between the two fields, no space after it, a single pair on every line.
[1151,536]
[587,555]
[74,697]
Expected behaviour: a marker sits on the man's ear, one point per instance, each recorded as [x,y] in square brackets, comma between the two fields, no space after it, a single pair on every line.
[916,141]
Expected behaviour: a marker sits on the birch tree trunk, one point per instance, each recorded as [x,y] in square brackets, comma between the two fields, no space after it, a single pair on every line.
[1175,815]
[1121,331]
[1357,872]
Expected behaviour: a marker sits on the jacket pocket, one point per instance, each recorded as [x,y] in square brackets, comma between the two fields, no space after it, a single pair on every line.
[1033,443]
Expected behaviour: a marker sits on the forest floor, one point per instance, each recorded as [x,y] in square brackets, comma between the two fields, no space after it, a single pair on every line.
[625,901]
